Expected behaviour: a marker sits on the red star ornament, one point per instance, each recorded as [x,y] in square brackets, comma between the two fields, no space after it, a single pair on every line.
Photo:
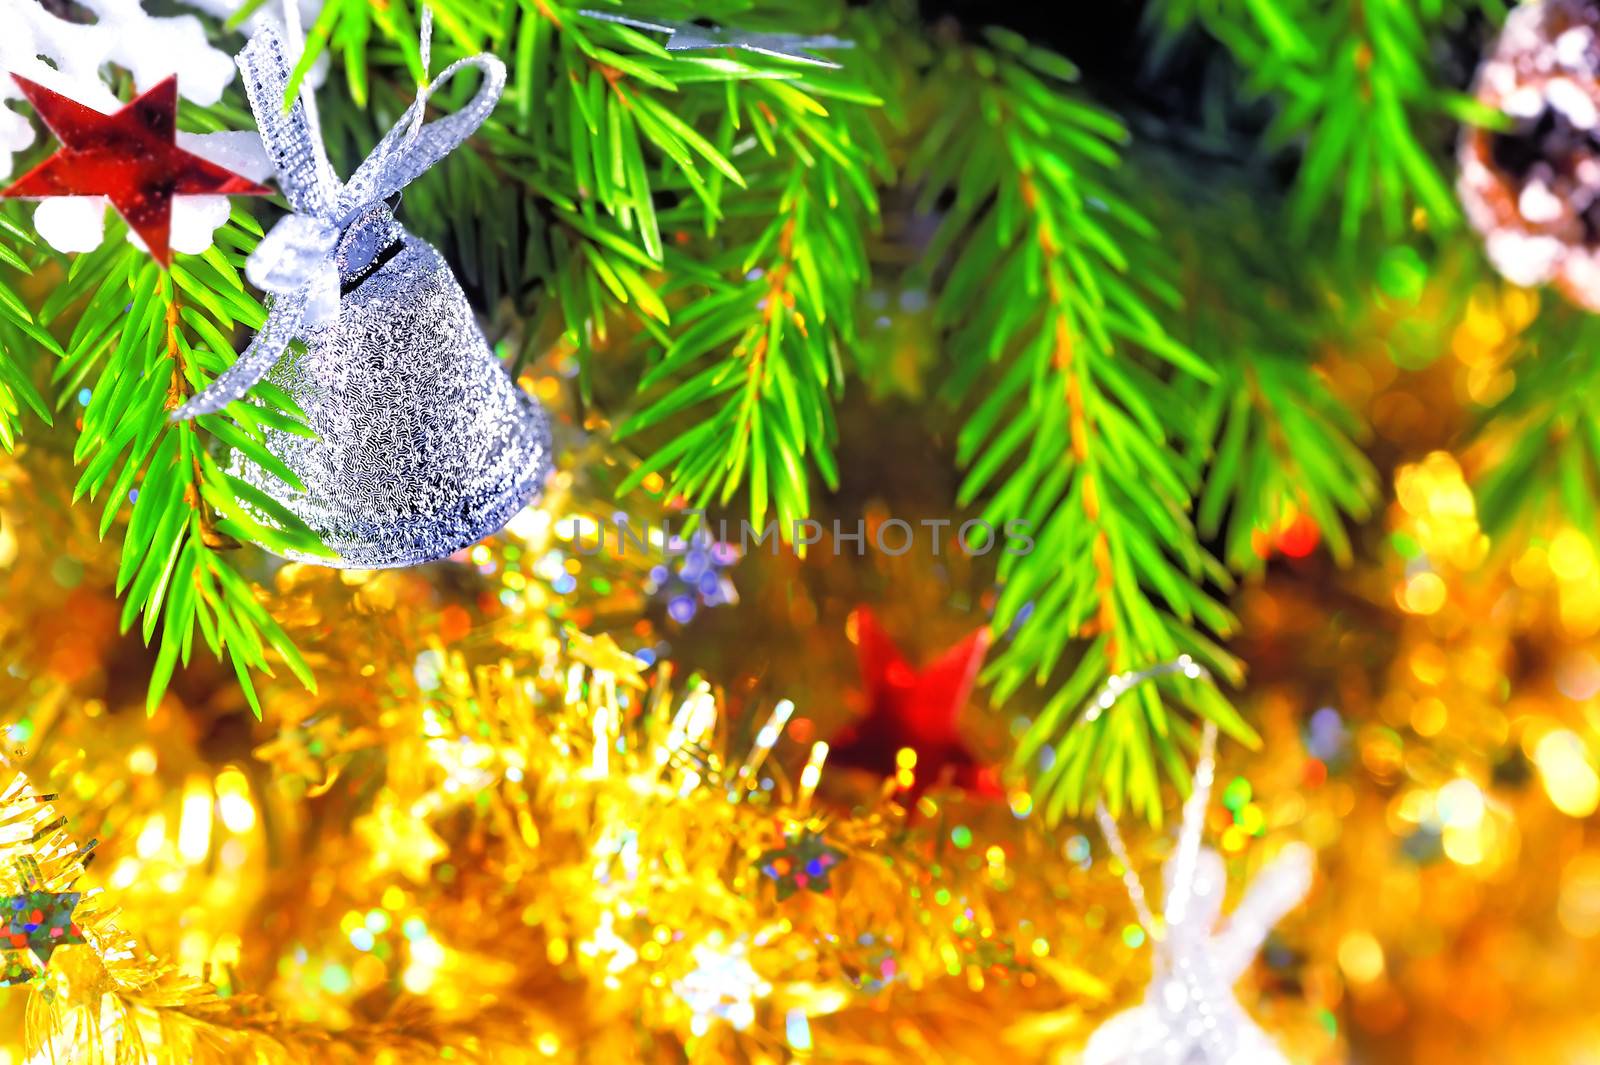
[131,158]
[919,709]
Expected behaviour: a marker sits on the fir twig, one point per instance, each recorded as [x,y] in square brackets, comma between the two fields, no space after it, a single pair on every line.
[1355,86]
[140,340]
[1542,440]
[20,338]
[1277,446]
[1053,296]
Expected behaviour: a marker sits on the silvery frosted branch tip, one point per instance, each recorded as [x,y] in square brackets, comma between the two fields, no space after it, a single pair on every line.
[424,444]
[689,37]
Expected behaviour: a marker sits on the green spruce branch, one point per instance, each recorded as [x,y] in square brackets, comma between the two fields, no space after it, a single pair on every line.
[751,366]
[135,340]
[762,172]
[21,337]
[1542,440]
[1276,444]
[142,340]
[1053,293]
[1281,449]
[1355,87]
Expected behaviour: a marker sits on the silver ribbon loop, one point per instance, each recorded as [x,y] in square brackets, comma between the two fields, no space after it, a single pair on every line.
[304,174]
[408,151]
[297,263]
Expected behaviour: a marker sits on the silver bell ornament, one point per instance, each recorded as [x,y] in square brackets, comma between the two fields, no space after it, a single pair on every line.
[424,444]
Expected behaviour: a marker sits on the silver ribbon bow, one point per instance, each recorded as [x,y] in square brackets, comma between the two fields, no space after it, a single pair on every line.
[337,230]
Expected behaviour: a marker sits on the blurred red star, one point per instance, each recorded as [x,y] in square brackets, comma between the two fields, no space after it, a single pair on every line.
[919,709]
[130,157]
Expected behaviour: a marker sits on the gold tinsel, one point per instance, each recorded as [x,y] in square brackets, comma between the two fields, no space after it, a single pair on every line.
[527,849]
[491,837]
[565,865]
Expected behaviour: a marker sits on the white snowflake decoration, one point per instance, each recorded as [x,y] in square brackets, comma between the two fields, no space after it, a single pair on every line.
[150,48]
[723,986]
[1189,1015]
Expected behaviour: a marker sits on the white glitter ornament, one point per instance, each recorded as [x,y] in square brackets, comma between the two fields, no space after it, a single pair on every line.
[1533,190]
[1189,1015]
[151,48]
[424,444]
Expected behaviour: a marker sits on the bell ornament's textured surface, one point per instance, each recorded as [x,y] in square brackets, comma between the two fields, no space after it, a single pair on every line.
[424,443]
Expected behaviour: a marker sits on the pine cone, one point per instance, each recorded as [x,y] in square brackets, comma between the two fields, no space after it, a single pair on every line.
[1533,190]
